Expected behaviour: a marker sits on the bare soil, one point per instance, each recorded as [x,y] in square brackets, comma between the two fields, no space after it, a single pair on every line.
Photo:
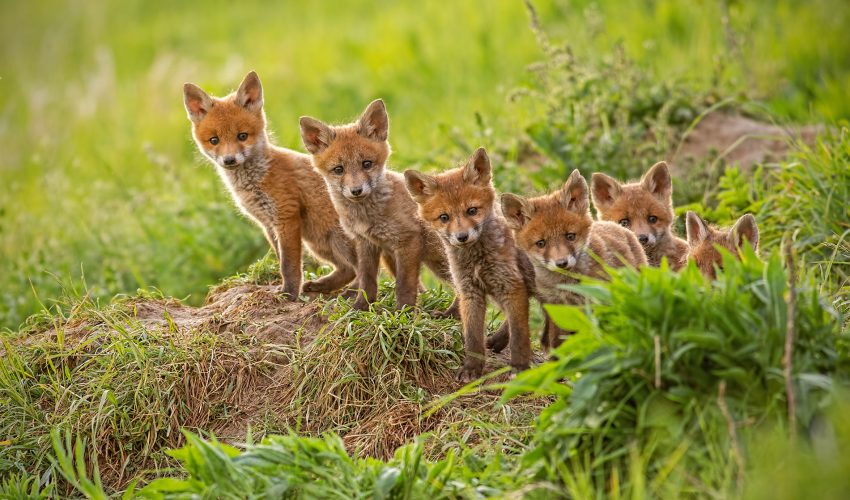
[739,140]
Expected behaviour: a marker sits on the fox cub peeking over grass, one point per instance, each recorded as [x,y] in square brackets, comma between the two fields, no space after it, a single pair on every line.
[557,232]
[459,205]
[275,187]
[375,208]
[645,207]
[704,241]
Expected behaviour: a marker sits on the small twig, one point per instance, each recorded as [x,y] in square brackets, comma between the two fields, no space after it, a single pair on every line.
[733,435]
[790,334]
[657,341]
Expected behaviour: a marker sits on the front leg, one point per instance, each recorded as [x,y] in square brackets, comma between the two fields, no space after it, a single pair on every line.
[288,236]
[515,306]
[368,261]
[473,306]
[408,261]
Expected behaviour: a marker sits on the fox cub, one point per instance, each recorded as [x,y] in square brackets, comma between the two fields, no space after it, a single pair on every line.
[275,187]
[375,208]
[459,205]
[562,240]
[704,240]
[645,207]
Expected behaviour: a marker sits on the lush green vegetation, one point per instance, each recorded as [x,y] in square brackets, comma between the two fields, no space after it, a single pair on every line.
[672,386]
[103,190]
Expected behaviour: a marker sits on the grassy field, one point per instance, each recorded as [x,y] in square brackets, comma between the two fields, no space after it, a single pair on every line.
[107,212]
[104,192]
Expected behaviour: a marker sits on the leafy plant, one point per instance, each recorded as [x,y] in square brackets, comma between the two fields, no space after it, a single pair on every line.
[662,359]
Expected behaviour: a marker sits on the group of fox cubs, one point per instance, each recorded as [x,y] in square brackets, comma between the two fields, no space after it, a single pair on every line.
[353,212]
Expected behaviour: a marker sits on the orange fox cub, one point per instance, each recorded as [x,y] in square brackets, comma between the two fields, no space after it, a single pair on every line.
[459,205]
[704,240]
[275,187]
[563,241]
[375,208]
[645,207]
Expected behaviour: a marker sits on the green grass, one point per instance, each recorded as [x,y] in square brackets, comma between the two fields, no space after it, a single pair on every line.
[104,194]
[103,189]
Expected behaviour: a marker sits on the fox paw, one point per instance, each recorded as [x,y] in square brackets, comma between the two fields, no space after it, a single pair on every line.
[315,287]
[499,340]
[470,371]
[361,304]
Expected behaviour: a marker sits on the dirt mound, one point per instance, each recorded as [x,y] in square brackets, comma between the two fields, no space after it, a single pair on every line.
[740,140]
[255,310]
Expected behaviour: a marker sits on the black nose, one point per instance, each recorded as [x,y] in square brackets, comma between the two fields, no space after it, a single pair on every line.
[356,192]
[643,239]
[562,263]
[462,237]
[230,160]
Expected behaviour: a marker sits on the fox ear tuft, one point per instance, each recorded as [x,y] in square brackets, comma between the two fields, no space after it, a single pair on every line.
[658,182]
[574,193]
[197,102]
[695,228]
[419,185]
[605,190]
[374,123]
[250,93]
[477,170]
[516,209]
[316,135]
[745,229]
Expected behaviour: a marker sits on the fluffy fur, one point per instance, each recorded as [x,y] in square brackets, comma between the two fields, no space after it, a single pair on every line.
[274,187]
[459,205]
[564,243]
[704,241]
[374,206]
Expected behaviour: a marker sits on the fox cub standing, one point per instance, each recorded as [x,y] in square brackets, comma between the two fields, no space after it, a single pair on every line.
[275,187]
[373,204]
[645,207]
[459,205]
[563,241]
[704,240]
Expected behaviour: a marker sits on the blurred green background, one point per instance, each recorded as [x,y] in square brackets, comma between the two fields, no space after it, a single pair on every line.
[103,191]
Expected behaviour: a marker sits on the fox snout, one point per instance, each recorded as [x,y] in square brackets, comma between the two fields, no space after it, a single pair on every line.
[646,239]
[461,238]
[357,192]
[566,263]
[228,160]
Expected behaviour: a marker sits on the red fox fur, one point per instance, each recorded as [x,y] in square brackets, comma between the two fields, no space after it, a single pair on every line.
[275,187]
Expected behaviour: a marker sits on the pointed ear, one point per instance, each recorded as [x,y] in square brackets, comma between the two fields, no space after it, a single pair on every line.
[477,169]
[374,123]
[658,182]
[516,209]
[316,135]
[420,186]
[695,228]
[574,194]
[250,93]
[745,229]
[197,102]
[605,190]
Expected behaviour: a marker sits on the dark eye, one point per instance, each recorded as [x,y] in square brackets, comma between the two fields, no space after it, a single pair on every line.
[571,236]
[338,170]
[214,140]
[471,211]
[624,222]
[540,243]
[652,219]
[241,136]
[444,217]
[367,164]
